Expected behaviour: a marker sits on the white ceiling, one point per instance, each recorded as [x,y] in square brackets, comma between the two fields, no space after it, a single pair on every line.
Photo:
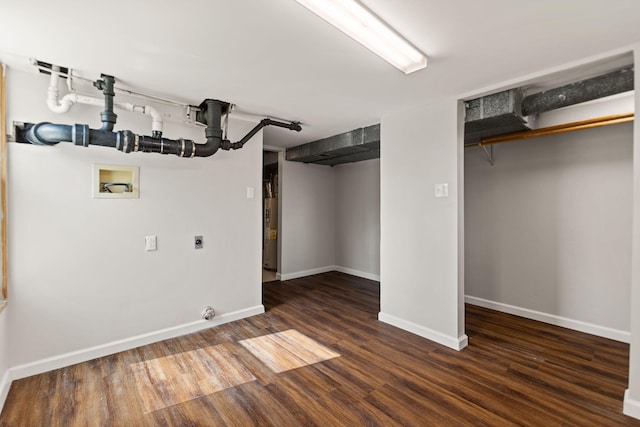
[278,59]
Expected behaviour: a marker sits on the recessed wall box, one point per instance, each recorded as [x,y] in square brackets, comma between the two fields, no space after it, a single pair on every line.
[115,182]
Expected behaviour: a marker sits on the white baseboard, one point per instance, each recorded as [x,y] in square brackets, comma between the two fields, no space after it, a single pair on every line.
[357,273]
[631,407]
[67,359]
[552,319]
[298,274]
[5,384]
[446,340]
[328,268]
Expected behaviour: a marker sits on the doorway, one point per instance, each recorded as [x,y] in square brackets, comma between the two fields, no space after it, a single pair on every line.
[270,213]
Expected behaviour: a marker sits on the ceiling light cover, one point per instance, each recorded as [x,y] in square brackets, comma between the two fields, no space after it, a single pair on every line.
[359,23]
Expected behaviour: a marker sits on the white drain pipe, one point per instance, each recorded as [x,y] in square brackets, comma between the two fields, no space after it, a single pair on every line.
[148,110]
[55,105]
[64,105]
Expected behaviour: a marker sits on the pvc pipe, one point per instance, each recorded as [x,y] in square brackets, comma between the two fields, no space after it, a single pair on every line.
[156,117]
[63,105]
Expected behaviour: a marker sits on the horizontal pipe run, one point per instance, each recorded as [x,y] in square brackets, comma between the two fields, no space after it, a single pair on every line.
[553,130]
[126,141]
[226,145]
[210,114]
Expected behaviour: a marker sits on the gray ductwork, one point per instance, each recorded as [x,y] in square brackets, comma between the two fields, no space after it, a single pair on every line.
[507,112]
[582,91]
[494,114]
[210,114]
[353,146]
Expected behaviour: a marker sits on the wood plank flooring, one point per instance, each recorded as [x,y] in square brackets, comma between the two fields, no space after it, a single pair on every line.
[514,372]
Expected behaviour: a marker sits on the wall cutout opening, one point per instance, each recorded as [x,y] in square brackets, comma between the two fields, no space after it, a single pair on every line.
[115,182]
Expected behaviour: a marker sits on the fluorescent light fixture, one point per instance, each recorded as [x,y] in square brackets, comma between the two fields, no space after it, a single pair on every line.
[359,23]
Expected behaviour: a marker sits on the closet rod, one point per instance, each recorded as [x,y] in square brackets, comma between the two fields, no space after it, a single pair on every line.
[553,130]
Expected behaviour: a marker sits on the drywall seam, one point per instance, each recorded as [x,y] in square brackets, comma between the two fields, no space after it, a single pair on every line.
[552,319]
[67,359]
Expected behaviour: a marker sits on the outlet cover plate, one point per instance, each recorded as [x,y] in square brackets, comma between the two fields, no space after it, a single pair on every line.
[442,190]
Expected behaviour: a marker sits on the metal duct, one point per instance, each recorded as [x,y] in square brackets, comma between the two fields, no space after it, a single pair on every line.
[582,91]
[506,112]
[353,146]
[494,114]
[210,114]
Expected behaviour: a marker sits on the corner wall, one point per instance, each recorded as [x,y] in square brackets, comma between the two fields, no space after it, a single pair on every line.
[632,395]
[307,216]
[357,218]
[81,282]
[420,283]
[5,380]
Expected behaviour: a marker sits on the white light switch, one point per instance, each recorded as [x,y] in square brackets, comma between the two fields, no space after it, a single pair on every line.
[251,192]
[442,190]
[150,243]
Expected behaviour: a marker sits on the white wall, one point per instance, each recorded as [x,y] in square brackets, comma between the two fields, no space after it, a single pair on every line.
[307,215]
[357,218]
[78,271]
[420,234]
[5,382]
[548,227]
[632,396]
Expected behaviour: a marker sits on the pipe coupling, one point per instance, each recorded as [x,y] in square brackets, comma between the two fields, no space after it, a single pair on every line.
[125,141]
[80,135]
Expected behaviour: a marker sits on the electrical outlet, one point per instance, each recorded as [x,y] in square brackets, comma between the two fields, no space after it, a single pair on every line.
[442,190]
[150,243]
[198,242]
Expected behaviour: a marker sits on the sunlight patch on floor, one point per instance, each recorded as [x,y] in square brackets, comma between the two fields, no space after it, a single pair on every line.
[283,351]
[186,376]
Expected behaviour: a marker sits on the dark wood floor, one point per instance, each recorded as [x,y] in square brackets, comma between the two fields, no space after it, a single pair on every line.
[514,372]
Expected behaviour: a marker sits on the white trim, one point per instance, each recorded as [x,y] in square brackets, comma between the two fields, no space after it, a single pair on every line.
[67,359]
[327,269]
[631,407]
[5,384]
[446,340]
[577,325]
[358,273]
[298,274]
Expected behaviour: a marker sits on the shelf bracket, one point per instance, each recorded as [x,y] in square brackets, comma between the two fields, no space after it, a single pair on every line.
[489,154]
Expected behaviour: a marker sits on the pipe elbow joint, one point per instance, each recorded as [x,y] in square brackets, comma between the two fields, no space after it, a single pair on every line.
[46,133]
[210,148]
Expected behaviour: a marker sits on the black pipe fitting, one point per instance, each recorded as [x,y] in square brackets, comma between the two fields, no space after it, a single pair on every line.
[108,117]
[48,133]
[210,114]
[80,135]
